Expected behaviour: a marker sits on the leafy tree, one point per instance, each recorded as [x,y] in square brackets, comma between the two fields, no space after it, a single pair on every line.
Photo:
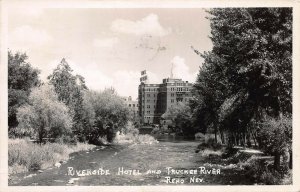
[210,90]
[21,78]
[250,62]
[45,115]
[181,116]
[275,138]
[69,88]
[255,46]
[105,113]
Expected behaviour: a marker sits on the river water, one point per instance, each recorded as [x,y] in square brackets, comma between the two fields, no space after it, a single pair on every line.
[132,165]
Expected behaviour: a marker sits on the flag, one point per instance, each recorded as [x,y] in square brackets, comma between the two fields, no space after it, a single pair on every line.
[144,78]
[143,72]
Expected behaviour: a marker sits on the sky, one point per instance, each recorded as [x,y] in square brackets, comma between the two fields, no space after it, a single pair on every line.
[109,47]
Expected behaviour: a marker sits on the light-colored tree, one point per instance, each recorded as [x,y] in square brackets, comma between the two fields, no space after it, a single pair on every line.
[45,115]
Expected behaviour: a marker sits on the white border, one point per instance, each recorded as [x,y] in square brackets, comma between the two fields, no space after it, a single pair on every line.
[150,4]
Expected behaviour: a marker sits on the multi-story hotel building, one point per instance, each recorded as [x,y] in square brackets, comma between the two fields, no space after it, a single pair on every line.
[132,105]
[155,99]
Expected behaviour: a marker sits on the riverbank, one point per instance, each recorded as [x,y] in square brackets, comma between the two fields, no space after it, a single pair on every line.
[25,156]
[163,163]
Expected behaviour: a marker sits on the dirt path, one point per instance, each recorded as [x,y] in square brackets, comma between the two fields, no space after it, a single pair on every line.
[138,160]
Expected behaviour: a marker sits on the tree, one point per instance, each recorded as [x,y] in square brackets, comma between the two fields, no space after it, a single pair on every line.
[251,57]
[21,78]
[275,139]
[181,116]
[210,89]
[44,115]
[69,88]
[105,113]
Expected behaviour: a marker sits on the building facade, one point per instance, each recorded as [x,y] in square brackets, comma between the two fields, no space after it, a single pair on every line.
[155,99]
[133,105]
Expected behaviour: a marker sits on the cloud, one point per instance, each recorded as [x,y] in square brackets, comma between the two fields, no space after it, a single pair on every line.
[181,70]
[95,79]
[25,37]
[125,82]
[146,26]
[106,43]
[153,78]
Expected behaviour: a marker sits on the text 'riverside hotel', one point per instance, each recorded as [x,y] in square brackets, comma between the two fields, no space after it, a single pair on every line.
[155,99]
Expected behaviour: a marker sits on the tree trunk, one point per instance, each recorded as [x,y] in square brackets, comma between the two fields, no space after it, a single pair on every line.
[41,133]
[222,137]
[291,160]
[216,137]
[254,139]
[277,161]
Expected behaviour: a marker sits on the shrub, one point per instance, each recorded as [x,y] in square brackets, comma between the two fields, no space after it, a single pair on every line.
[262,171]
[155,131]
[275,137]
[134,139]
[24,155]
[67,139]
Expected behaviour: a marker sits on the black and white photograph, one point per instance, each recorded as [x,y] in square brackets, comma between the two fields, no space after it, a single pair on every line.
[148,96]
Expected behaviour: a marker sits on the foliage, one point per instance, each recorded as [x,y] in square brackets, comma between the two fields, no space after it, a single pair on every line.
[130,129]
[180,115]
[131,138]
[105,113]
[24,155]
[249,70]
[44,116]
[275,135]
[21,78]
[262,172]
[275,138]
[69,89]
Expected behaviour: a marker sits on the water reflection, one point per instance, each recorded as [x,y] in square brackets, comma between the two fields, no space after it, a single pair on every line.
[173,138]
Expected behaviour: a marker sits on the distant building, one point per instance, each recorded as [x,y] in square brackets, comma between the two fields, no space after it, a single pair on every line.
[133,105]
[155,99]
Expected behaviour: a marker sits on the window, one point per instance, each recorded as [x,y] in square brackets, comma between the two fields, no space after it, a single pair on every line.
[172,100]
[133,105]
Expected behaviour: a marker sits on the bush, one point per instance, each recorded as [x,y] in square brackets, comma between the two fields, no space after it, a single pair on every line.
[130,129]
[134,139]
[155,131]
[24,155]
[261,171]
[67,139]
[275,138]
[275,135]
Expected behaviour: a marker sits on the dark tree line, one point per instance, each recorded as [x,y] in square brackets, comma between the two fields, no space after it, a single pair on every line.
[21,78]
[244,86]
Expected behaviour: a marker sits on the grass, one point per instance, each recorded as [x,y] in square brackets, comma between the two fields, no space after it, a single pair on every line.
[24,155]
[257,167]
